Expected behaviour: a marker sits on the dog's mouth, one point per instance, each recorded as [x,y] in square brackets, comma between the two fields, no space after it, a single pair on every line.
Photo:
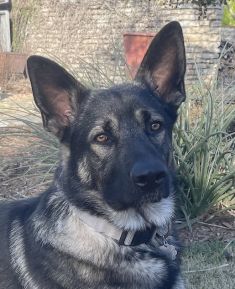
[134,197]
[153,195]
[148,198]
[137,203]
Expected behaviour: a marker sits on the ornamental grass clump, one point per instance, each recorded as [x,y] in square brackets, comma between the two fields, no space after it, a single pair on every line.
[204,151]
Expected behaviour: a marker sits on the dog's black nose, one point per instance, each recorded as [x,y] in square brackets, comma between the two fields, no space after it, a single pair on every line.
[148,175]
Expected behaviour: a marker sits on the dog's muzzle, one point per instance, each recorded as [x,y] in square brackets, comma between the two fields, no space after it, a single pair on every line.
[149,178]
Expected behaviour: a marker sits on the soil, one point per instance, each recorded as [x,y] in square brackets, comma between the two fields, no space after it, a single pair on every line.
[220,227]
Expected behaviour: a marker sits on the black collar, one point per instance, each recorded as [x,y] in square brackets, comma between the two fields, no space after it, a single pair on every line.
[123,237]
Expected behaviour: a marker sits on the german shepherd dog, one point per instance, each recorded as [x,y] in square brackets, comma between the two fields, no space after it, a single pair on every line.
[106,220]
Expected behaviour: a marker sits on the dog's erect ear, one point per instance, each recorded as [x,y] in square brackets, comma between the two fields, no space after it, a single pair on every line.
[56,93]
[164,65]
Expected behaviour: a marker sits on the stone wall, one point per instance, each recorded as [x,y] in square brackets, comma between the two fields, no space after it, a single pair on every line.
[202,33]
[87,36]
[228,34]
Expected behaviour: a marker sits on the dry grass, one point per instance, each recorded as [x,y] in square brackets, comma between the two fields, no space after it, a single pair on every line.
[209,266]
[27,152]
[27,164]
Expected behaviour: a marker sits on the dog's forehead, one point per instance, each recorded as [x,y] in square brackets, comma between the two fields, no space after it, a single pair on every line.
[122,100]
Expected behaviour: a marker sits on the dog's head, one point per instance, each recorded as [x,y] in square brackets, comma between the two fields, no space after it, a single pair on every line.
[117,141]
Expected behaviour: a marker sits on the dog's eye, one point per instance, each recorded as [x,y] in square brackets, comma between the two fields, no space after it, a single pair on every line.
[102,138]
[156,125]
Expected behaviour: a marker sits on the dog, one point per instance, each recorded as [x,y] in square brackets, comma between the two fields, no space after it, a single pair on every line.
[106,221]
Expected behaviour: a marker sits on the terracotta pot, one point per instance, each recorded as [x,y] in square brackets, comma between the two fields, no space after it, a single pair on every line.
[11,64]
[135,47]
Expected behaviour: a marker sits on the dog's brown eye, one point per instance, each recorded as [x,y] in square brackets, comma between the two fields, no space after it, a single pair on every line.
[101,138]
[155,125]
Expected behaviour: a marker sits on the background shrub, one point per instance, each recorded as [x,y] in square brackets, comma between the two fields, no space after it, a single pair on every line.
[204,147]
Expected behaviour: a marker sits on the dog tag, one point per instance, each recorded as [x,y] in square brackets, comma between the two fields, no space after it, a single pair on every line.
[169,250]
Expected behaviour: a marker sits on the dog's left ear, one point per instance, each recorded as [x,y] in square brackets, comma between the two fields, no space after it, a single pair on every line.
[164,64]
[56,93]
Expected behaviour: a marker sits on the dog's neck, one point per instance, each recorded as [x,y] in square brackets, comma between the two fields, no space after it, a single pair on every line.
[123,237]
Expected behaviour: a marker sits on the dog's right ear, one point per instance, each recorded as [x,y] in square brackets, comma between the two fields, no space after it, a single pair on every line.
[164,64]
[56,93]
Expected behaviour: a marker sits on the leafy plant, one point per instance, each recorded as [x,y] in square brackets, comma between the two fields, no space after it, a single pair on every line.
[205,151]
[229,13]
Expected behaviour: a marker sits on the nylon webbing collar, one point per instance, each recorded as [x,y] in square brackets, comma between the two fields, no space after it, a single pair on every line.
[128,238]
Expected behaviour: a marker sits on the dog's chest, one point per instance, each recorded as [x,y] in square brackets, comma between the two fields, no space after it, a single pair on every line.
[83,256]
[79,274]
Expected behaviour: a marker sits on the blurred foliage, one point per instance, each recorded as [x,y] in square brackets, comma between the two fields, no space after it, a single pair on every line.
[22,12]
[229,13]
